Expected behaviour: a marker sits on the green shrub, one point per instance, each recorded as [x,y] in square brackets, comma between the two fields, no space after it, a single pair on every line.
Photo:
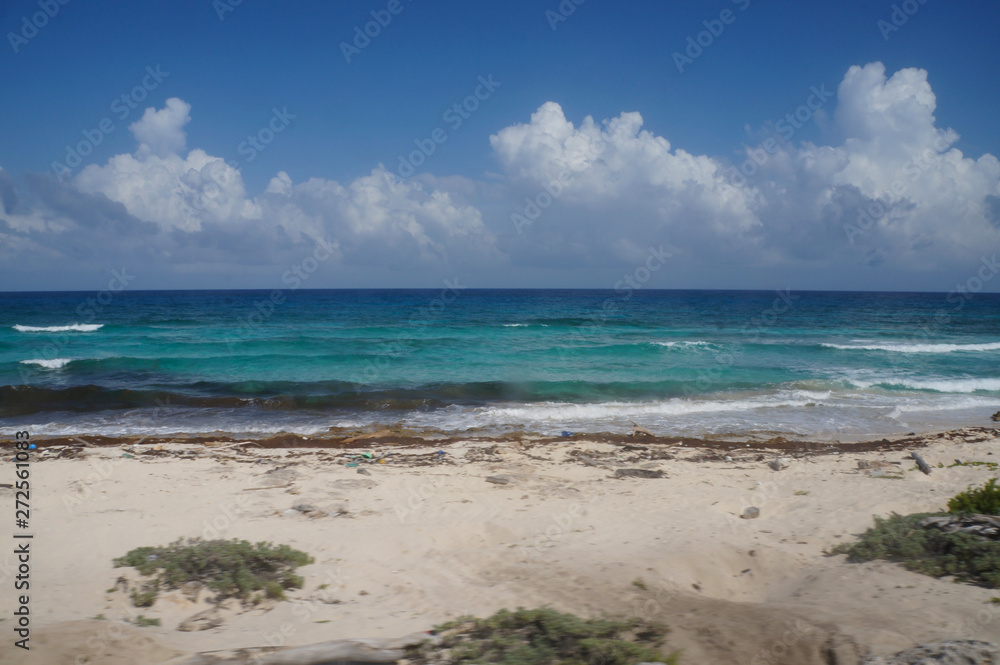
[900,539]
[231,568]
[984,500]
[545,637]
[144,622]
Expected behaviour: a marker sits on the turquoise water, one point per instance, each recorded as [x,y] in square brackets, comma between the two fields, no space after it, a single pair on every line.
[679,362]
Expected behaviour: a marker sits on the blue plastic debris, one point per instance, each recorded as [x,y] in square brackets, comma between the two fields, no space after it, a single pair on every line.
[567,433]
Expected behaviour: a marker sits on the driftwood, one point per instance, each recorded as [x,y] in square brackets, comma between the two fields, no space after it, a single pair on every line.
[231,445]
[986,526]
[372,650]
[636,430]
[921,464]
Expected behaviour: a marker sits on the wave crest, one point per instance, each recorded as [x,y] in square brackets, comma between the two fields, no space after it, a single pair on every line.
[916,348]
[76,327]
[55,363]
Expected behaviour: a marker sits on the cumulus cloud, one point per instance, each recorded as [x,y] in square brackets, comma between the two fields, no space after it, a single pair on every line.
[161,133]
[194,209]
[617,189]
[892,189]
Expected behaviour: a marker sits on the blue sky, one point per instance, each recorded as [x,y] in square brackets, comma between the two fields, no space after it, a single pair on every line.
[918,113]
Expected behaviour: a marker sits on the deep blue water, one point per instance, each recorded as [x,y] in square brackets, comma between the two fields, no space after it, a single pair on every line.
[691,362]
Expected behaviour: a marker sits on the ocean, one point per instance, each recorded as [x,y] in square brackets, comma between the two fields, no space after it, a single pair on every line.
[815,365]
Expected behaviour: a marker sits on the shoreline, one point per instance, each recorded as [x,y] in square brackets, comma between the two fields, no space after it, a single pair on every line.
[402,437]
[405,538]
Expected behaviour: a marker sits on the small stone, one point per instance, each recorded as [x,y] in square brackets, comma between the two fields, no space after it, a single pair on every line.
[498,480]
[191,590]
[304,507]
[995,417]
[751,513]
[210,618]
[778,464]
[364,472]
[950,652]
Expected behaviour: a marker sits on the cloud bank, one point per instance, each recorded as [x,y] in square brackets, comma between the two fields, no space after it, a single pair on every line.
[892,191]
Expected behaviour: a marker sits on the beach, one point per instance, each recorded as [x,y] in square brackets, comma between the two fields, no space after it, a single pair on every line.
[408,533]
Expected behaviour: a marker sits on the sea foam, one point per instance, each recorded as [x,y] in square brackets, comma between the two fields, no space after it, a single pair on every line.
[76,327]
[917,348]
[55,363]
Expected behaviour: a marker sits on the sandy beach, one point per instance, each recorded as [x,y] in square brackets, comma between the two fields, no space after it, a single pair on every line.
[428,532]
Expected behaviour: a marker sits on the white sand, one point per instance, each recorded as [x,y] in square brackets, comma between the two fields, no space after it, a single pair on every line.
[423,544]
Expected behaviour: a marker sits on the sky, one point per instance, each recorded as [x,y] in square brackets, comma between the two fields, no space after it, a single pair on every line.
[717,144]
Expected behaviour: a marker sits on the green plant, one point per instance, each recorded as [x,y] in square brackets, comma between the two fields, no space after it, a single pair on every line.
[639,583]
[899,538]
[992,466]
[984,500]
[99,617]
[231,568]
[143,622]
[146,597]
[544,637]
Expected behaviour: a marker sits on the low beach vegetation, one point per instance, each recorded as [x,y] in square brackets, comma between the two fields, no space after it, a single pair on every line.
[931,544]
[230,568]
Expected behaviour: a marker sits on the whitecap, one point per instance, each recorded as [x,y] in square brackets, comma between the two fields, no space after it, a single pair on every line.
[76,327]
[917,348]
[55,363]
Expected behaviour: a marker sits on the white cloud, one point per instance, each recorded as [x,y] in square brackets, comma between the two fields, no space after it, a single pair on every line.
[162,132]
[374,219]
[613,189]
[801,204]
